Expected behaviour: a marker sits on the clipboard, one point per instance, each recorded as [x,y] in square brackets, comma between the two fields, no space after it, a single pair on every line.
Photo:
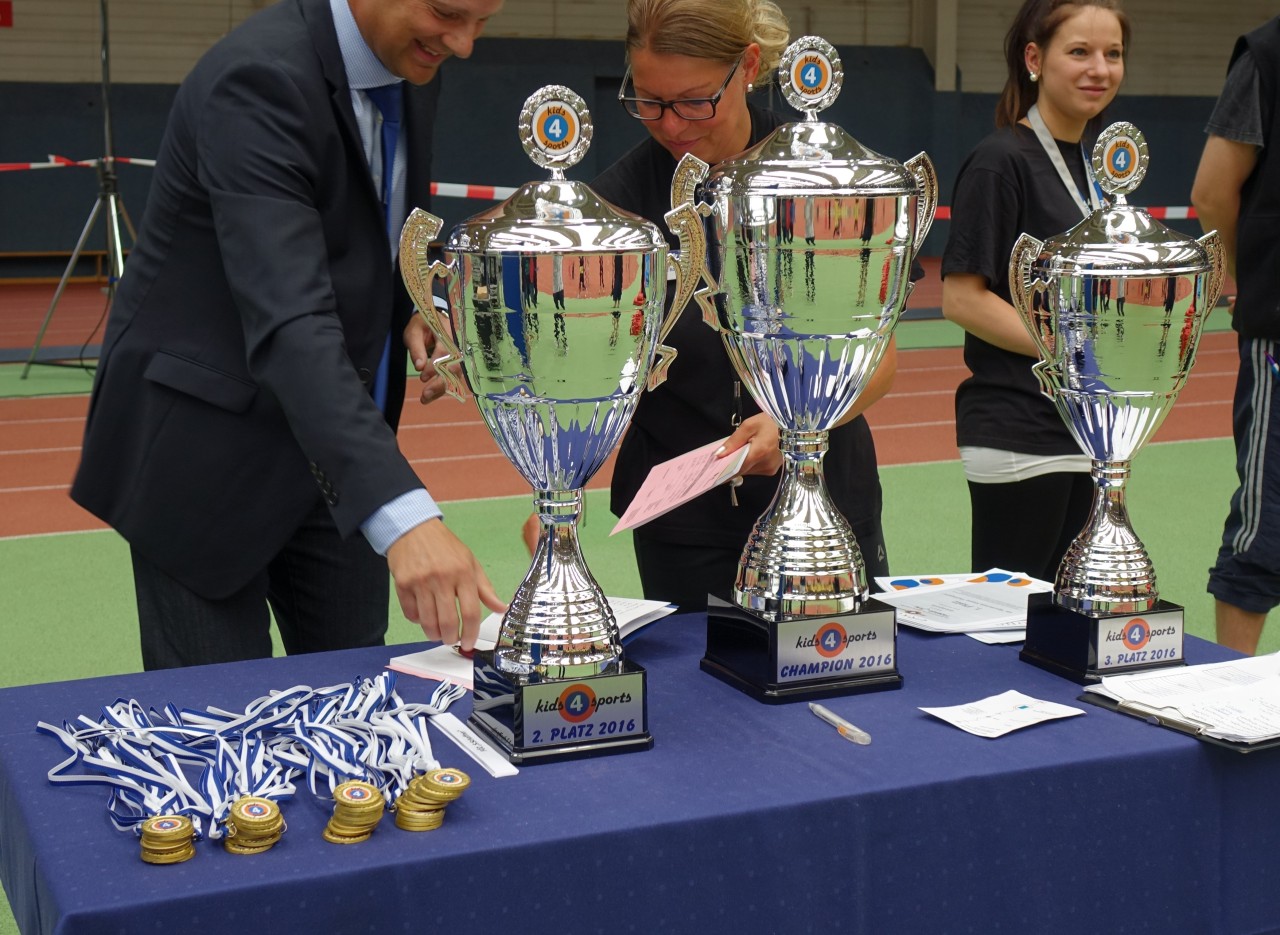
[1159,719]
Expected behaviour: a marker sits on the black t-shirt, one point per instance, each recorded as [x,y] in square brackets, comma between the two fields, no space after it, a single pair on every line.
[701,396]
[1006,187]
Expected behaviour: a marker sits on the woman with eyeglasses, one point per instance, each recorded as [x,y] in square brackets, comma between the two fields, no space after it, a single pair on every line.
[1029,484]
[692,65]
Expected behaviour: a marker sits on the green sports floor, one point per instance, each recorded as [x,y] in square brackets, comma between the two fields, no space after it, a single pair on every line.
[68,609]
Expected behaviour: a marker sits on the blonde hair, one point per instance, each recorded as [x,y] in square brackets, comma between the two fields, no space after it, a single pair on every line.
[712,29]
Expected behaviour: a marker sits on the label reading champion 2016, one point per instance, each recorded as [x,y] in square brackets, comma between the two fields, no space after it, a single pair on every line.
[851,646]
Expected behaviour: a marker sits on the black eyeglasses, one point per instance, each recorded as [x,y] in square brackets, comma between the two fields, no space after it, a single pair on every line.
[687,108]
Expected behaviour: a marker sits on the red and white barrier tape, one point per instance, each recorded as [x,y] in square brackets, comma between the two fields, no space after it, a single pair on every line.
[500,192]
[62,162]
[459,190]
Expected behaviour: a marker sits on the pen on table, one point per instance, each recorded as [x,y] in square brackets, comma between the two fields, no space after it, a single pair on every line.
[847,731]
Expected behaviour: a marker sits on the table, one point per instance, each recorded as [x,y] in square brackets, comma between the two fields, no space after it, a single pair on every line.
[744,818]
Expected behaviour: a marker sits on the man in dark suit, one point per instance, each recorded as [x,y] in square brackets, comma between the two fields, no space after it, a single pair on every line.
[233,435]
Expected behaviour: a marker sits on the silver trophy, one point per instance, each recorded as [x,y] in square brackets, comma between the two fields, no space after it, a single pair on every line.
[811,238]
[1116,306]
[555,316]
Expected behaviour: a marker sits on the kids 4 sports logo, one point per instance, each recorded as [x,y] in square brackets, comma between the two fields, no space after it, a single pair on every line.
[556,126]
[577,702]
[811,74]
[1121,158]
[830,640]
[1136,633]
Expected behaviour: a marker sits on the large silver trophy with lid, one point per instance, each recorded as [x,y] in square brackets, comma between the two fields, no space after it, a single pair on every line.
[555,316]
[811,239]
[1115,306]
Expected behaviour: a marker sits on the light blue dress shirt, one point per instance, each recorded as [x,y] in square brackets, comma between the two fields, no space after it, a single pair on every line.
[364,70]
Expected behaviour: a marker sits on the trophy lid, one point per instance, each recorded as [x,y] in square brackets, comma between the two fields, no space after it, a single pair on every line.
[811,157]
[1119,238]
[555,215]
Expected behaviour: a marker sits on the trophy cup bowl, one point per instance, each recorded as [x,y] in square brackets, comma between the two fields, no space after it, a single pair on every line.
[555,321]
[1116,306]
[806,322]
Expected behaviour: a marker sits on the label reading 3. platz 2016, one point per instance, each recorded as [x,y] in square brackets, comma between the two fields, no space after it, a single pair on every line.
[1144,639]
[840,647]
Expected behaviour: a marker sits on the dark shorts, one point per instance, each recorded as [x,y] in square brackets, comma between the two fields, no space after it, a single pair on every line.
[1247,572]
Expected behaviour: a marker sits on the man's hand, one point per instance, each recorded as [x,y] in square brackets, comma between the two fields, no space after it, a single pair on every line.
[440,585]
[422,344]
[762,432]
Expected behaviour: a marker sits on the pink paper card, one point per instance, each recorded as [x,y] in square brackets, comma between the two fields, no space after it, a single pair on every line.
[678,481]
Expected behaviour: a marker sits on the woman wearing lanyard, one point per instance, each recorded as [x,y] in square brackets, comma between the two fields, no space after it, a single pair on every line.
[1029,486]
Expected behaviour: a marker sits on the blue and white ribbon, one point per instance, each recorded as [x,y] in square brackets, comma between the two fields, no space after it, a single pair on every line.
[359,730]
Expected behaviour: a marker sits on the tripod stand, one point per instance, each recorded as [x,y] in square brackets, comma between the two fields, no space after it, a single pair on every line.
[108,199]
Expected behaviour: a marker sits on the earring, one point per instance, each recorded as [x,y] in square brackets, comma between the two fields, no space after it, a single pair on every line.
[1034,77]
[750,86]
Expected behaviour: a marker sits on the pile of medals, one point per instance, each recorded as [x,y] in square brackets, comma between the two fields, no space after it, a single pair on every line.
[167,839]
[421,805]
[357,809]
[254,825]
[357,736]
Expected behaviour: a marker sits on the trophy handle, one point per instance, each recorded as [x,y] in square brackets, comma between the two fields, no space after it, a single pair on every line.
[1023,290]
[420,228]
[921,166]
[685,222]
[1212,244]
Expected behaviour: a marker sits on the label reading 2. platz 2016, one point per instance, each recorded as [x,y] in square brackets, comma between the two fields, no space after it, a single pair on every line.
[1144,639]
[836,648]
[587,711]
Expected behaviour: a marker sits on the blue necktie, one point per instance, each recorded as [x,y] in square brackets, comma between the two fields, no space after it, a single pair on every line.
[387,100]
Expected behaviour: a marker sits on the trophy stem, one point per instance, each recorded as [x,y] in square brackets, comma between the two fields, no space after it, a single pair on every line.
[801,559]
[559,624]
[1107,569]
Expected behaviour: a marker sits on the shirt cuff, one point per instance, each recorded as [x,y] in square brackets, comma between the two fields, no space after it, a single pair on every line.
[396,518]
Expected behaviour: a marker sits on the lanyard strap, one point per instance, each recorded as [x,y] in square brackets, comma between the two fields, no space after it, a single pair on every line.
[1050,147]
[362,730]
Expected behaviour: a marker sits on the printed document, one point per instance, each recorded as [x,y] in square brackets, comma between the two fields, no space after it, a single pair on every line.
[678,481]
[999,714]
[447,664]
[991,600]
[1238,700]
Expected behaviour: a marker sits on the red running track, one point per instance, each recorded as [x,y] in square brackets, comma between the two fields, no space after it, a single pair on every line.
[40,437]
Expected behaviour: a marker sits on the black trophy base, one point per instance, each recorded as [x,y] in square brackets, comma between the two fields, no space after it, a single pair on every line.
[759,656]
[536,720]
[1084,649]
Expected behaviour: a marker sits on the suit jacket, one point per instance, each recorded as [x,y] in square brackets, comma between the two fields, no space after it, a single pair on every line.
[233,386]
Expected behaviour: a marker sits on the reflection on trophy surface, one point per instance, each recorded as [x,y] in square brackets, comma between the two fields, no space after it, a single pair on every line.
[556,381]
[1116,307]
[806,321]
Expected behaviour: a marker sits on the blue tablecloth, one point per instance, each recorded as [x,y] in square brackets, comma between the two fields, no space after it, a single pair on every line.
[744,817]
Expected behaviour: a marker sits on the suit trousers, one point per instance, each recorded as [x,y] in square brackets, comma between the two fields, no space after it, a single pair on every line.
[325,593]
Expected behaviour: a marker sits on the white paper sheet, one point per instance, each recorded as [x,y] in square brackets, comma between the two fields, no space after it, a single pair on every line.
[992,600]
[1000,714]
[447,664]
